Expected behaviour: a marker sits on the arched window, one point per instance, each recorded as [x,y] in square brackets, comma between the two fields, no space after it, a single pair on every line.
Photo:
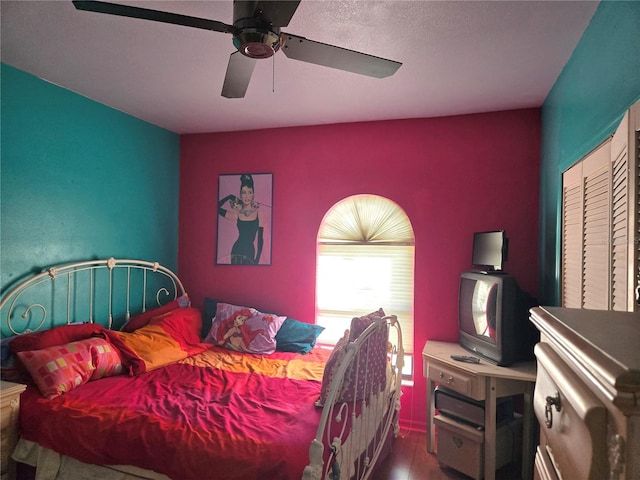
[365,261]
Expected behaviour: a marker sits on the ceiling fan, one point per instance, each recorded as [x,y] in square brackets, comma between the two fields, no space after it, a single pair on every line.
[256,34]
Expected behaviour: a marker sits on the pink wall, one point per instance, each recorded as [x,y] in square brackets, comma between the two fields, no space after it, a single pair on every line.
[451,175]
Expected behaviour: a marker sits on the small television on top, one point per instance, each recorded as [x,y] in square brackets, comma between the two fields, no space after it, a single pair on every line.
[489,250]
[493,318]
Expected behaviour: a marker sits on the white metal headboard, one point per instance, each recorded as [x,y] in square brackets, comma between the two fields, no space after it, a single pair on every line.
[94,291]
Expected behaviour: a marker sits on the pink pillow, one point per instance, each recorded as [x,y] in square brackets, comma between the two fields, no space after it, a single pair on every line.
[55,336]
[142,319]
[49,338]
[331,367]
[244,329]
[164,340]
[61,368]
[373,356]
[360,324]
[106,359]
[184,325]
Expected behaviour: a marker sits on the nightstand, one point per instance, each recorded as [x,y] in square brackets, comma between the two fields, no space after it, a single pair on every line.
[481,382]
[9,409]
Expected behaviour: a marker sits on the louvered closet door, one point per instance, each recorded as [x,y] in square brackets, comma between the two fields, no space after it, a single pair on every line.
[634,210]
[586,231]
[634,274]
[621,209]
[625,216]
[601,223]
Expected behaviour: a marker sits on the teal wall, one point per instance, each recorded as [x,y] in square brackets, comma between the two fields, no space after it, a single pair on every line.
[80,180]
[598,83]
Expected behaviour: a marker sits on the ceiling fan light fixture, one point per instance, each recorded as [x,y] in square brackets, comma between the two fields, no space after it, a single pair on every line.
[257,42]
[256,35]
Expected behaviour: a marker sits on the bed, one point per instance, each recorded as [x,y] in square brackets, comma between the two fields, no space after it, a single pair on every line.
[125,379]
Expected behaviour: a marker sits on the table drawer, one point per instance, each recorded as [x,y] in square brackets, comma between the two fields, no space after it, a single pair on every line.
[572,419]
[8,433]
[9,411]
[458,380]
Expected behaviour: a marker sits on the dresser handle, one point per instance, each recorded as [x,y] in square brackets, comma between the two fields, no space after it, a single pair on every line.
[449,380]
[548,412]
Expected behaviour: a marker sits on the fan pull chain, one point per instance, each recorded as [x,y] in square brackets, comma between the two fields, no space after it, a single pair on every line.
[273,75]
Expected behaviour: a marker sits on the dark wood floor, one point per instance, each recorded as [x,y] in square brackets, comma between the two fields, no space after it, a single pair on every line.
[409,460]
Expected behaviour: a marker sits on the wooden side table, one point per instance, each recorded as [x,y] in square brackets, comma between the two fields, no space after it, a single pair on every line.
[9,409]
[485,382]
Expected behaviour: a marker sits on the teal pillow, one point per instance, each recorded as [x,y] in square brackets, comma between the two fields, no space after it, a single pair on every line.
[296,336]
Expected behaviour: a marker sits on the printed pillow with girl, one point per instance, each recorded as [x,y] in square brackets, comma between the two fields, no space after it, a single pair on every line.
[244,329]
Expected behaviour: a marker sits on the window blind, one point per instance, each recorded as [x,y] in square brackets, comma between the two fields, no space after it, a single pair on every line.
[354,280]
[365,262]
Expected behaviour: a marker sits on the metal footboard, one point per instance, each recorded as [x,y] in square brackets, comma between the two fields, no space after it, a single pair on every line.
[358,430]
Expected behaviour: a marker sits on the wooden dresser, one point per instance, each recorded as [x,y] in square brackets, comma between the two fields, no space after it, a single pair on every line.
[587,394]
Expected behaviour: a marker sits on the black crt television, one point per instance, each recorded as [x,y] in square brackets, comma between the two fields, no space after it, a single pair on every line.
[493,318]
[490,250]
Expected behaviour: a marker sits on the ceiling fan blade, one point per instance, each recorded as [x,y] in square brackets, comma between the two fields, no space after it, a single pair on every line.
[277,12]
[238,75]
[154,15]
[305,50]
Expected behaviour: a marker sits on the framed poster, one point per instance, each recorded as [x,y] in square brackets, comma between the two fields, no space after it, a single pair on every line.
[244,219]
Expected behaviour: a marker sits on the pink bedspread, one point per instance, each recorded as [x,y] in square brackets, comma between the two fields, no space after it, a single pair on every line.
[219,414]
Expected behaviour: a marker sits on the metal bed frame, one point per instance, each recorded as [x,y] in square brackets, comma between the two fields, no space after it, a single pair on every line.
[110,291]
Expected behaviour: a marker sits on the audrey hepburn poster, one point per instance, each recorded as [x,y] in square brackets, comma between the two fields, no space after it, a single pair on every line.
[244,219]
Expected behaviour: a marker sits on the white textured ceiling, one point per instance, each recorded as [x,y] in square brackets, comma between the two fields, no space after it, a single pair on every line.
[458,57]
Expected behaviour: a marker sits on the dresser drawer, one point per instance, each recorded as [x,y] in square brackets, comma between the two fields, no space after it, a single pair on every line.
[544,469]
[572,420]
[458,380]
